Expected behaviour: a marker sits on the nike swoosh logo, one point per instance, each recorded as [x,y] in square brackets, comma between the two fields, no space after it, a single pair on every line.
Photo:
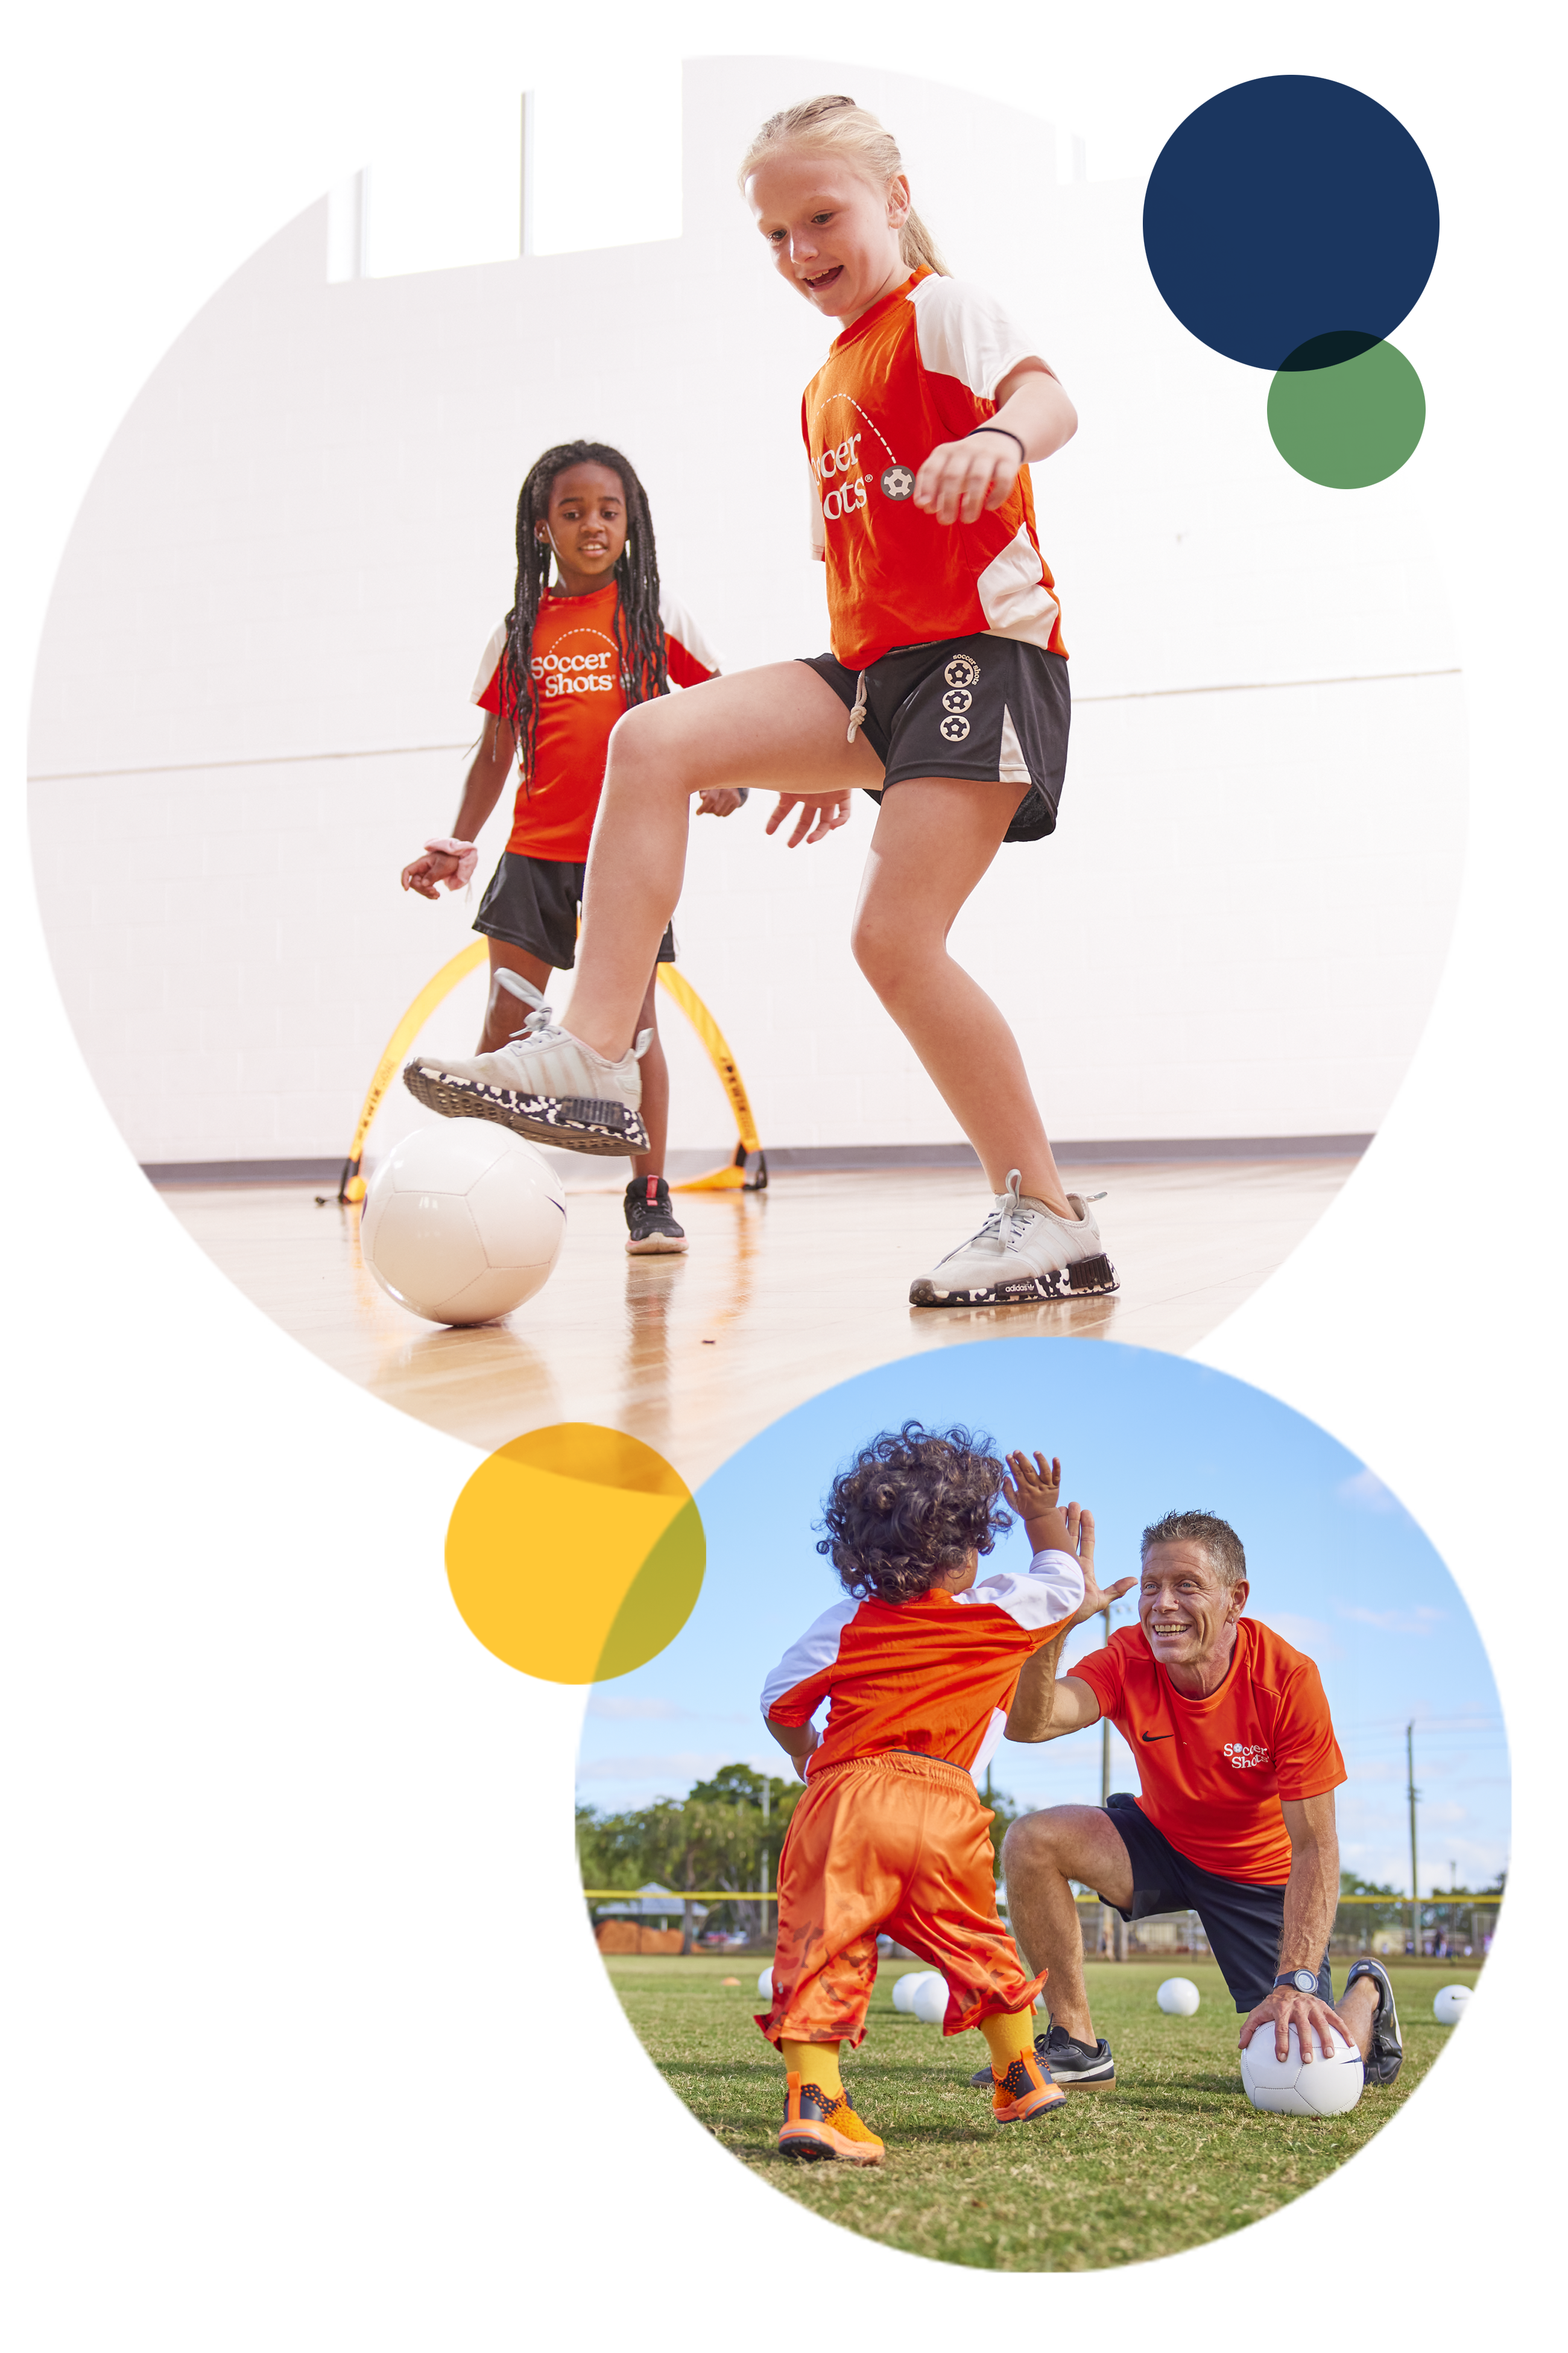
[1158,1736]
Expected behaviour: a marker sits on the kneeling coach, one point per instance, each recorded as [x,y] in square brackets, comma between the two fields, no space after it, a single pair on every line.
[1238,1766]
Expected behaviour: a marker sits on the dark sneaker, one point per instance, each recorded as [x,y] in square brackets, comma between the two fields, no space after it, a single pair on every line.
[650,1221]
[1386,2056]
[1087,2066]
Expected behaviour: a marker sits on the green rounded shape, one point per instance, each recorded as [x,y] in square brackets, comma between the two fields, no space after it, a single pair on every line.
[659,1599]
[1349,425]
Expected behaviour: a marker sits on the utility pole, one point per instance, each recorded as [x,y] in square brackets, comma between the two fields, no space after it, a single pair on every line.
[1413,1793]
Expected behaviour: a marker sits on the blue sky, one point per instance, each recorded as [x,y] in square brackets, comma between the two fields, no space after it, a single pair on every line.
[1336,1564]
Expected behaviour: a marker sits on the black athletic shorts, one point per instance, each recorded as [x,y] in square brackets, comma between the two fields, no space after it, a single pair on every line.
[1241,1920]
[987,707]
[535,904]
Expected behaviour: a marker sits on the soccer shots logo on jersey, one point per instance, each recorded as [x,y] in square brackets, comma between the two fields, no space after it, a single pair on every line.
[560,672]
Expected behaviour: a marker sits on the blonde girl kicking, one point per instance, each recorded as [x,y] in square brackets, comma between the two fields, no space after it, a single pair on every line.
[945,694]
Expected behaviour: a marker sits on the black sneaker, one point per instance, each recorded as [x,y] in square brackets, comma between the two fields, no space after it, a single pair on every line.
[1386,2056]
[1086,2066]
[650,1221]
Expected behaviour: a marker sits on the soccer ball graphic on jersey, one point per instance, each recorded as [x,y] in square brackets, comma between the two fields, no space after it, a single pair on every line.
[953,728]
[1288,2087]
[963,670]
[462,1221]
[897,482]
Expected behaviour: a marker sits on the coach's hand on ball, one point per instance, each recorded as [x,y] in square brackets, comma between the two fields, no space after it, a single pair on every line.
[1308,2013]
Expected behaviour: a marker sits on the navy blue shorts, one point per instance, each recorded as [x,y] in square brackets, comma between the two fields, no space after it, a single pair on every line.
[1241,1920]
[987,707]
[534,903]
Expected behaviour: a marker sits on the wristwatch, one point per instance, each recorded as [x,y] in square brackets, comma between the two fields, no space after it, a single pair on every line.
[1304,1980]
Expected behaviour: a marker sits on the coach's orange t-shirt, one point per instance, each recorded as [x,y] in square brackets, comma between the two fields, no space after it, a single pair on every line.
[1212,1772]
[920,368]
[576,669]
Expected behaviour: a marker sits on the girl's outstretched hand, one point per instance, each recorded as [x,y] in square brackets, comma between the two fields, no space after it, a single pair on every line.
[962,480]
[427,873]
[823,813]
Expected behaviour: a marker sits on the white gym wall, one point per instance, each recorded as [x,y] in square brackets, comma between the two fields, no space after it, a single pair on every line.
[252,694]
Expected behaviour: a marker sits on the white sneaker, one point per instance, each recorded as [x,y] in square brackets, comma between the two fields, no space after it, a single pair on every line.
[1024,1251]
[544,1083]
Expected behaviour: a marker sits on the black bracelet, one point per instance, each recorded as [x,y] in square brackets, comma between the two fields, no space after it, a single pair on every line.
[1023,453]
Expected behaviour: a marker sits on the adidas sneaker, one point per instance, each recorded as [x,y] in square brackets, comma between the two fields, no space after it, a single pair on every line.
[1023,1252]
[544,1083]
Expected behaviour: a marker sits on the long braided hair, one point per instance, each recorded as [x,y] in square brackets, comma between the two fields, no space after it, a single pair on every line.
[639,632]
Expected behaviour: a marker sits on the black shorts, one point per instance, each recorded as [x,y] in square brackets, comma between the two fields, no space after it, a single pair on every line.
[534,903]
[1241,1920]
[987,707]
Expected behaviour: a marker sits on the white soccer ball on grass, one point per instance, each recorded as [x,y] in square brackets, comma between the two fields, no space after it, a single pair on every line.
[1293,2086]
[1448,2007]
[928,2001]
[1178,1997]
[765,1985]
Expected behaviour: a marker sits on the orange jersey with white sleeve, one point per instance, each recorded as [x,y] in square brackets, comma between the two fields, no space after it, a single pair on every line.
[921,367]
[933,1675]
[1212,1772]
[576,670]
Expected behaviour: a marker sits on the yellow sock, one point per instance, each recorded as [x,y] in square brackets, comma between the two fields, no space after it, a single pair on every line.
[1007,2039]
[814,2063]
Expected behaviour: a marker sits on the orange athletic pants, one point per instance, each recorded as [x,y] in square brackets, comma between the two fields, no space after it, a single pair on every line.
[897,1843]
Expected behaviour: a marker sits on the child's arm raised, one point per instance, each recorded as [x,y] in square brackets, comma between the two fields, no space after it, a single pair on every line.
[961,481]
[486,780]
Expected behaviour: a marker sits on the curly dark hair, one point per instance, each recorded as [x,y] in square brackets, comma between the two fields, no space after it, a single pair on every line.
[912,1502]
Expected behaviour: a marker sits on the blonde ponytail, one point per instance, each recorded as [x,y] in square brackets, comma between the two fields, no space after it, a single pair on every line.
[841,128]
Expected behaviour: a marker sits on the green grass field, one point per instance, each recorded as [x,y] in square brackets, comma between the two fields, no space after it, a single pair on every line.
[1174,2156]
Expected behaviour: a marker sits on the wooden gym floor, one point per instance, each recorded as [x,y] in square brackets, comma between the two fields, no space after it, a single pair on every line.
[781,1293]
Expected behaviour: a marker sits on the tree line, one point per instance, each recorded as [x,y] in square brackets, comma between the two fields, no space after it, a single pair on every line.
[714,1837]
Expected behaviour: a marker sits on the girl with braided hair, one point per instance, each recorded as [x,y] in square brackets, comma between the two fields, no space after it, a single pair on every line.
[945,695]
[568,659]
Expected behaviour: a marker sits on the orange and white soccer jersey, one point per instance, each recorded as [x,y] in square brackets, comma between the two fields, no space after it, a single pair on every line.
[920,368]
[576,670]
[1212,1772]
[930,1674]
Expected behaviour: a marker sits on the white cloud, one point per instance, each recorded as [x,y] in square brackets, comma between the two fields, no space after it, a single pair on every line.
[1491,1512]
[1307,1634]
[1422,1619]
[1367,1492]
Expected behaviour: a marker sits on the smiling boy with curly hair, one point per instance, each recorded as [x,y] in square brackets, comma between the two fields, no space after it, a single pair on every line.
[892,1833]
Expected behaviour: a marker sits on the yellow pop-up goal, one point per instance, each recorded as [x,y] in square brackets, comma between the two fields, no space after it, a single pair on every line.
[733,1177]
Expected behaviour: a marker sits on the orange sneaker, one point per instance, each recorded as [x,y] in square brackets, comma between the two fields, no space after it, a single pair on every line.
[817,2126]
[1027,2091]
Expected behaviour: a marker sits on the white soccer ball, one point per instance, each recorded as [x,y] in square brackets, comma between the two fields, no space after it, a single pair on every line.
[462,1221]
[1178,1997]
[1293,2087]
[765,1985]
[929,2002]
[1448,2007]
[904,1989]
